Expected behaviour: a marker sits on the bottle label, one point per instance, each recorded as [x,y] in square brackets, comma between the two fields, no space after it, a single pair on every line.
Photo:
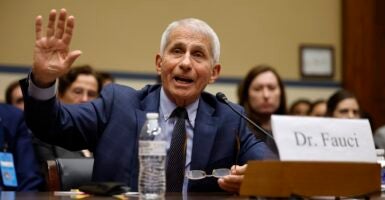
[152,148]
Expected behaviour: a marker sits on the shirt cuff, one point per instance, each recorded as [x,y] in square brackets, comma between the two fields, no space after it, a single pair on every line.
[41,93]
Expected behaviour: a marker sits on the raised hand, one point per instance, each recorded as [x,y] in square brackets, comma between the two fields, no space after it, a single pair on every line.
[52,56]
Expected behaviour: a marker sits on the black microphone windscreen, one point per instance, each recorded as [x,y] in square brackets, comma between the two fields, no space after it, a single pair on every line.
[221,97]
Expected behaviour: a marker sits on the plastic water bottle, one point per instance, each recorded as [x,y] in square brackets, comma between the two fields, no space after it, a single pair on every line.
[152,159]
[380,159]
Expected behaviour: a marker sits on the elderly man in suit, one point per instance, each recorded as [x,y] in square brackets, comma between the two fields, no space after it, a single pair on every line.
[187,62]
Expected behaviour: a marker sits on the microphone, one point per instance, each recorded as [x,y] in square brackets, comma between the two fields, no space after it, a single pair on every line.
[222,98]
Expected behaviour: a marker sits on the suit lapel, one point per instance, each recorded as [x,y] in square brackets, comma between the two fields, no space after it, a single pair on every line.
[204,136]
[149,104]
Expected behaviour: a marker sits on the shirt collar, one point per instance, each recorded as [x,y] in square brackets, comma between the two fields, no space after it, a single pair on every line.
[167,107]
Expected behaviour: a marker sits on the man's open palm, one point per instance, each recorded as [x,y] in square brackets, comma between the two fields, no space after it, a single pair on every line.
[52,56]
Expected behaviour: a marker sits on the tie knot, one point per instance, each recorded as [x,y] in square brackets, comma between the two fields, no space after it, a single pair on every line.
[179,113]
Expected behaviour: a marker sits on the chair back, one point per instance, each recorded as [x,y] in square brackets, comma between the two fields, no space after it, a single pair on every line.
[64,174]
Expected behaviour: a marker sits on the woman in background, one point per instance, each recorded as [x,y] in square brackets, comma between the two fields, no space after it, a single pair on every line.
[343,104]
[262,94]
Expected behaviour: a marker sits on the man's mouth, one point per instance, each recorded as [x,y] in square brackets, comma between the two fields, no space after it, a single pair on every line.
[183,80]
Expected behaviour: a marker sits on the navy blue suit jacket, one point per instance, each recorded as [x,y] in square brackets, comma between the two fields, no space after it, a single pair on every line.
[15,135]
[110,126]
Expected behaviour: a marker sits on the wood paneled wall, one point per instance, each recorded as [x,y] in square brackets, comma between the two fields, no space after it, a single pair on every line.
[363,61]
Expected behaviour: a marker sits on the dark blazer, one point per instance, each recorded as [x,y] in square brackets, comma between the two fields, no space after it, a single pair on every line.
[18,141]
[109,126]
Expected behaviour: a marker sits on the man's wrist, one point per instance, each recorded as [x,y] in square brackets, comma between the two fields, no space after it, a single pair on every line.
[39,83]
[41,93]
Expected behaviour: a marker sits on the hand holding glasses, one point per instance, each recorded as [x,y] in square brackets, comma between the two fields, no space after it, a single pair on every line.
[217,173]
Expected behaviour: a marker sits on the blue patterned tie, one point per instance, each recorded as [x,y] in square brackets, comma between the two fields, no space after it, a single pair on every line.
[176,155]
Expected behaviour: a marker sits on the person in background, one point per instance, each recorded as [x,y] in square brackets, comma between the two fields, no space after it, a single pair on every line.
[343,104]
[379,137]
[79,85]
[187,62]
[105,78]
[318,108]
[15,139]
[14,96]
[262,94]
[300,107]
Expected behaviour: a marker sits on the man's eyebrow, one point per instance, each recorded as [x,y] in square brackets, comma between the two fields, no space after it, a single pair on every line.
[195,47]
[200,48]
[177,44]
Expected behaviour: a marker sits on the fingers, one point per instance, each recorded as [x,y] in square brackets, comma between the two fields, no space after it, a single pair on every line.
[51,23]
[238,170]
[68,31]
[231,183]
[61,24]
[38,27]
[227,187]
[63,29]
[71,57]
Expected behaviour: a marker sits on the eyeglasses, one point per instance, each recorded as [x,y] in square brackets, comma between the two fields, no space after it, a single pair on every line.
[217,173]
[199,174]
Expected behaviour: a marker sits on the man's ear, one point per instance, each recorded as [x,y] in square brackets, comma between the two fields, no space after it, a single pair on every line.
[215,71]
[158,63]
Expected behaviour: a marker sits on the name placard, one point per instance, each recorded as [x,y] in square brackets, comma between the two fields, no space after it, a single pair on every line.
[323,139]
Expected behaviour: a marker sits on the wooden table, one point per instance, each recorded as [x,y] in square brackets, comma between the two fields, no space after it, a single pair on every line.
[50,195]
[191,196]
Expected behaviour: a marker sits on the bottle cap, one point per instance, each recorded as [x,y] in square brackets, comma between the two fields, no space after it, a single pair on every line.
[152,115]
[380,152]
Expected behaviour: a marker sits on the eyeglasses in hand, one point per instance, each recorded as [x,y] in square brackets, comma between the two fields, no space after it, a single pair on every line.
[217,173]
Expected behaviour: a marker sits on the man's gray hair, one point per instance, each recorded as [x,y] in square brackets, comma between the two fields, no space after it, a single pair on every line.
[198,26]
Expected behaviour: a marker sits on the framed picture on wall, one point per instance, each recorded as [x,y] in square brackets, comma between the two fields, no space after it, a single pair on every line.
[316,61]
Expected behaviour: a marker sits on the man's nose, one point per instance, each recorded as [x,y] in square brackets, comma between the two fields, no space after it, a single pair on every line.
[186,61]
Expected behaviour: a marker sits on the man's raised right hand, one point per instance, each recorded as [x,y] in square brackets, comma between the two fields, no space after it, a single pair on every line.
[52,56]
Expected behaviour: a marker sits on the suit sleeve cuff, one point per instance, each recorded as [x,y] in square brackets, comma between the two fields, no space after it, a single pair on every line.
[41,93]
